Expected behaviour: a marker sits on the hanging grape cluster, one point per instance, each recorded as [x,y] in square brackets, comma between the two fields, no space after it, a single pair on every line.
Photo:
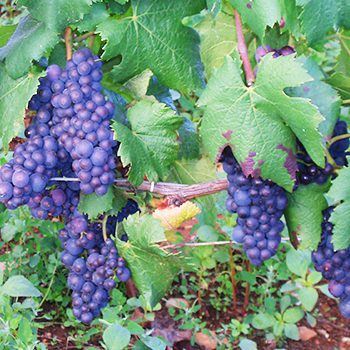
[70,136]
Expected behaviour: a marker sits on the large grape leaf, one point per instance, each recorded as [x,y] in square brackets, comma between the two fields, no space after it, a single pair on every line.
[259,122]
[14,97]
[321,95]
[218,39]
[29,42]
[149,146]
[321,16]
[304,214]
[259,14]
[339,194]
[56,14]
[152,268]
[154,37]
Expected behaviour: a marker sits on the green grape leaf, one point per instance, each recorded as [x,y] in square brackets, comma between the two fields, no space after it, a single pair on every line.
[340,79]
[341,83]
[138,85]
[5,33]
[14,97]
[56,14]
[218,39]
[259,14]
[97,14]
[94,205]
[149,146]
[320,17]
[29,42]
[340,193]
[152,268]
[193,171]
[166,47]
[343,61]
[189,140]
[321,95]
[304,213]
[259,122]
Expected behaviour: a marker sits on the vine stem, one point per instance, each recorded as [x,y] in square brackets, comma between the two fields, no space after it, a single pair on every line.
[68,41]
[84,36]
[179,193]
[243,51]
[199,244]
[338,138]
[346,102]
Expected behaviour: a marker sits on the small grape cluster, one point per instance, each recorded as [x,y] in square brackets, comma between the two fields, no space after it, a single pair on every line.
[338,149]
[261,51]
[93,264]
[334,265]
[259,205]
[131,207]
[309,172]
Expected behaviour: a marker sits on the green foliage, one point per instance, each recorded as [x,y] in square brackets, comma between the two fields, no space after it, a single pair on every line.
[218,39]
[149,146]
[304,214]
[340,192]
[153,268]
[14,97]
[263,13]
[168,48]
[320,17]
[94,205]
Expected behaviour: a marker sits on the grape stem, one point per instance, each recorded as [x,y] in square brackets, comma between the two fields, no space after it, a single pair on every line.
[198,244]
[338,138]
[104,227]
[243,51]
[68,42]
[177,193]
[84,36]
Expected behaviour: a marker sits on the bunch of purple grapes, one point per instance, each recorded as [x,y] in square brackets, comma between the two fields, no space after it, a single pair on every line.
[93,264]
[334,265]
[81,118]
[309,172]
[261,51]
[131,207]
[338,150]
[259,205]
